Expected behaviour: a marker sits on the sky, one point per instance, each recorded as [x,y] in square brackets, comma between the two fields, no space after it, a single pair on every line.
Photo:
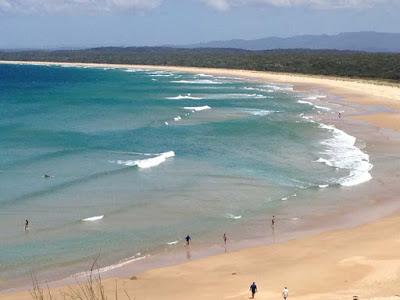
[88,23]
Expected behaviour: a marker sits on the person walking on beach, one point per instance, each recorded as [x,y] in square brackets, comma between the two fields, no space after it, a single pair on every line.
[285,293]
[26,225]
[253,289]
[188,239]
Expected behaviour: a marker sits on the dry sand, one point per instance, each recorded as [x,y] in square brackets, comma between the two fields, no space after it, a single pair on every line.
[363,261]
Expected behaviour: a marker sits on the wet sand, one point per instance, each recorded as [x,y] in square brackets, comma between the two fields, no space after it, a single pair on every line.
[362,260]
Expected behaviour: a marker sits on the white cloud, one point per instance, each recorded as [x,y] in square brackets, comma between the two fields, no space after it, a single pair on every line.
[318,4]
[74,6]
[96,6]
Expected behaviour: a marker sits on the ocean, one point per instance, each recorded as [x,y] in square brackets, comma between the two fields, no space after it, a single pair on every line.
[124,163]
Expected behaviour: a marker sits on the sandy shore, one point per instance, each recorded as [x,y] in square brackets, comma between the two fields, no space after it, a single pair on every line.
[363,261]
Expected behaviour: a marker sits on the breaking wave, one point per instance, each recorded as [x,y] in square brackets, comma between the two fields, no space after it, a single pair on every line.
[184,97]
[148,162]
[341,152]
[232,216]
[197,108]
[197,81]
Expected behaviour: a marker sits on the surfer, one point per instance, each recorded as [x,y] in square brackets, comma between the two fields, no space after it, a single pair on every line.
[26,225]
[46,176]
[188,239]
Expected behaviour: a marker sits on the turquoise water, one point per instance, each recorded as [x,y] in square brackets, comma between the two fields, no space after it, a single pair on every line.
[238,150]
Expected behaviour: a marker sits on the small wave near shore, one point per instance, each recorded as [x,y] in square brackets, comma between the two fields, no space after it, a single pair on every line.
[342,153]
[148,162]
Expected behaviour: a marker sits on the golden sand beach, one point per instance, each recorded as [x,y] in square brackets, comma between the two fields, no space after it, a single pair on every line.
[363,260]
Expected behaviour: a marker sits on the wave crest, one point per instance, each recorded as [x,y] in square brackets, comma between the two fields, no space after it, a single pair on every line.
[197,108]
[183,97]
[148,162]
[341,152]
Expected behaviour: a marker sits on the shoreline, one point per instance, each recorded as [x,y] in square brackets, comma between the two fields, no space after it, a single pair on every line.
[384,89]
[351,91]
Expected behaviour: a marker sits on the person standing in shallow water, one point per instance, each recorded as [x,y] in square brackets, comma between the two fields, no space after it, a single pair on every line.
[225,239]
[188,239]
[253,289]
[285,293]
[273,222]
[26,225]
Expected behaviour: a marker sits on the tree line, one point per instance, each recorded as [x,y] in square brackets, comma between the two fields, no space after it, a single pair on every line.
[352,64]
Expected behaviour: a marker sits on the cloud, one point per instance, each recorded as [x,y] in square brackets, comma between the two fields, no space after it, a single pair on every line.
[316,4]
[74,6]
[111,6]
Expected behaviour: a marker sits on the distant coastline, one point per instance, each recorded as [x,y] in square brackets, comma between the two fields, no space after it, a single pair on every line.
[389,91]
[328,62]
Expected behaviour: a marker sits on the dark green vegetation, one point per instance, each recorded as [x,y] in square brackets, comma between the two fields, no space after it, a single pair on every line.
[384,66]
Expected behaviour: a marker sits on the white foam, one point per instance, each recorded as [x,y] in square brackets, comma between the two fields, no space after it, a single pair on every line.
[250,88]
[198,81]
[166,123]
[287,197]
[149,162]
[342,153]
[323,186]
[204,75]
[230,78]
[304,101]
[160,74]
[233,217]
[182,97]
[236,96]
[256,96]
[279,87]
[322,107]
[173,243]
[197,108]
[133,70]
[315,97]
[259,112]
[112,267]
[325,161]
[93,219]
[308,118]
[177,118]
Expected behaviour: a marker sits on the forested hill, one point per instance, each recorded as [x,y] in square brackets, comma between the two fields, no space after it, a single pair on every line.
[384,66]
[356,41]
